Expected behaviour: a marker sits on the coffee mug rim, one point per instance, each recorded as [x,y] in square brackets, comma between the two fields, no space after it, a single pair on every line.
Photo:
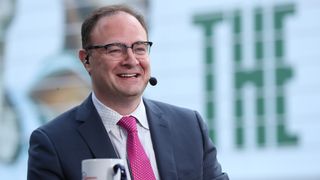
[100,159]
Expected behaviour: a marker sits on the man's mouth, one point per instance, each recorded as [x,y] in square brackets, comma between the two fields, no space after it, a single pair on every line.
[128,75]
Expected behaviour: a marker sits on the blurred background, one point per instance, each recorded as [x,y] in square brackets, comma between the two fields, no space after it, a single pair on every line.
[251,68]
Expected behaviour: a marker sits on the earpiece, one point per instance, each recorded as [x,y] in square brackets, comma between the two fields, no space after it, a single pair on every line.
[86,59]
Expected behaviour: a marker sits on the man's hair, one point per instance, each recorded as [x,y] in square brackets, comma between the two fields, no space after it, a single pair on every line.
[90,22]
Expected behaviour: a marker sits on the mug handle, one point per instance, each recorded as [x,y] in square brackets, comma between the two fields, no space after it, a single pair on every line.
[119,176]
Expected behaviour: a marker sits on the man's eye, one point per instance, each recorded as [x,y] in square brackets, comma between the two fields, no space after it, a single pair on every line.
[140,49]
[114,50]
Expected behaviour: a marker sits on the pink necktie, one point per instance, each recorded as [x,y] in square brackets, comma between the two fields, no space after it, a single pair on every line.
[139,162]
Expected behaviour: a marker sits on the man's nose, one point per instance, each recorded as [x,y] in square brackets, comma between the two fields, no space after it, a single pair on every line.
[131,57]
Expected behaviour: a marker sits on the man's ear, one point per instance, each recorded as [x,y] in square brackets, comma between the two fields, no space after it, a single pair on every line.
[84,58]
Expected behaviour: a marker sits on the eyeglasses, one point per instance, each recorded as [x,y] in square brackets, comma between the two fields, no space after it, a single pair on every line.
[118,50]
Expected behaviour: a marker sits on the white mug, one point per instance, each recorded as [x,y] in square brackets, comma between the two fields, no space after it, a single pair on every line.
[102,169]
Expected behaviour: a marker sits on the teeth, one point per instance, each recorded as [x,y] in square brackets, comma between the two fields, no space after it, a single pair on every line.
[128,75]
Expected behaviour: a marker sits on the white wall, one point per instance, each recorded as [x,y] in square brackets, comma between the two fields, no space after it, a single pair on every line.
[178,62]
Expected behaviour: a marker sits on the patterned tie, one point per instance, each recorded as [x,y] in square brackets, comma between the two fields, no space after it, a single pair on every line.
[139,162]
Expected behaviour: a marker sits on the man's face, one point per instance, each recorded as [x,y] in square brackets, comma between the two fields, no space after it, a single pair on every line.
[117,79]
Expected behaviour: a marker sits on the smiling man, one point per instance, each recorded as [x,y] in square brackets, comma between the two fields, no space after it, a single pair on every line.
[117,59]
[158,140]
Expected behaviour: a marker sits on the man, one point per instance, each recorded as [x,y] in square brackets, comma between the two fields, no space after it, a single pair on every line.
[174,140]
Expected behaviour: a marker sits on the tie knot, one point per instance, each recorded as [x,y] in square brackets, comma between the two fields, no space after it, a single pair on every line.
[128,123]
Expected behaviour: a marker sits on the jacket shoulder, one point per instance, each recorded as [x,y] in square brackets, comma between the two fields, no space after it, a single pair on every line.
[166,107]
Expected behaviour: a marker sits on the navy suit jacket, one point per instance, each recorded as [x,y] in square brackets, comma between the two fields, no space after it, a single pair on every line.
[182,147]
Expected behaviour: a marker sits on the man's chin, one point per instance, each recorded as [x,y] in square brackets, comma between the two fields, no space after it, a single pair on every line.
[130,93]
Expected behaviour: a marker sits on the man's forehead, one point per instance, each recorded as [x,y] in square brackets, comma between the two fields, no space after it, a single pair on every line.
[119,19]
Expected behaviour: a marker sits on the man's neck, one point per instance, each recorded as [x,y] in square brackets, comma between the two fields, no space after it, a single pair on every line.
[123,106]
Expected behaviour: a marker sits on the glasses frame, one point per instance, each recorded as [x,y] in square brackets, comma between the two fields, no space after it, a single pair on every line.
[106,46]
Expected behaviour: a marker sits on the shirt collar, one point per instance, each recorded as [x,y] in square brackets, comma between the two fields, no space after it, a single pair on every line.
[110,117]
[141,115]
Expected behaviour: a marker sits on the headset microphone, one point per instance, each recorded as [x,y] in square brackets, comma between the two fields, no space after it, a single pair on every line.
[153,81]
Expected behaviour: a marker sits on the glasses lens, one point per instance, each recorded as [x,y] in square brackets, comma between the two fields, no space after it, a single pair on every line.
[141,48]
[115,50]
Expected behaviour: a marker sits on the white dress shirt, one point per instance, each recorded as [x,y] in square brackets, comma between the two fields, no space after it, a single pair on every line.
[118,136]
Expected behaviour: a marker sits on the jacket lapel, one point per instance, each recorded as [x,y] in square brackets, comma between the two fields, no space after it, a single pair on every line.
[93,132]
[161,140]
